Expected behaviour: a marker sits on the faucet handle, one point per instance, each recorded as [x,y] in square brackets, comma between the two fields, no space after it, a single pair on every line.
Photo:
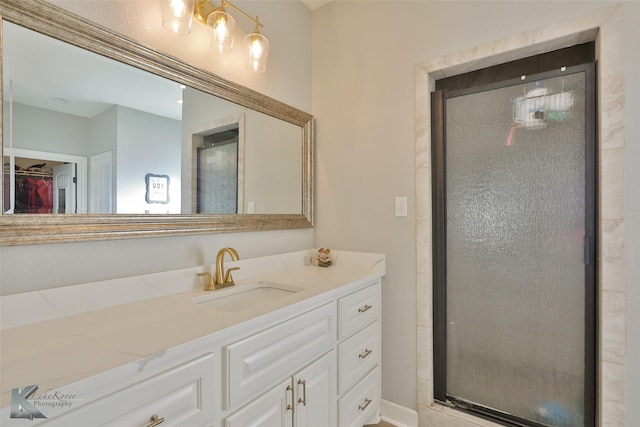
[227,276]
[209,286]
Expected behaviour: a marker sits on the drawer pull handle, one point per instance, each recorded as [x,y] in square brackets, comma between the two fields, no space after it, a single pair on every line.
[366,403]
[289,405]
[303,399]
[366,353]
[155,420]
[367,307]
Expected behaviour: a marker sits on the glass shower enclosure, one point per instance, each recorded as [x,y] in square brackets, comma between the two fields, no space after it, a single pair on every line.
[514,225]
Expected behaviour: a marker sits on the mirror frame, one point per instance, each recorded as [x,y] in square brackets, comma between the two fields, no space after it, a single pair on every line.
[63,25]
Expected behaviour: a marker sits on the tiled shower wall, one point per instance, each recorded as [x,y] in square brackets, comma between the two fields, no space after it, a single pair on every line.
[606,27]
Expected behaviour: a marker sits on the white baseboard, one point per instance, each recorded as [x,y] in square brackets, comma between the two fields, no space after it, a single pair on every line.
[398,415]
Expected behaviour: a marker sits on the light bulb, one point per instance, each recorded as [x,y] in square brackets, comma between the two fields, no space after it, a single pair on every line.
[256,48]
[178,8]
[221,30]
[177,15]
[223,26]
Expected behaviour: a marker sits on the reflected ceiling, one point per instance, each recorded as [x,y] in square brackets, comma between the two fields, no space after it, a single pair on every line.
[70,87]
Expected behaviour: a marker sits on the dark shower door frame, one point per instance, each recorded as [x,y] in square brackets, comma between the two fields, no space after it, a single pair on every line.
[438,117]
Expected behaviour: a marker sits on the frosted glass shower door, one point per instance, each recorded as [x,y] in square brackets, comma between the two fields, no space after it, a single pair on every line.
[217,185]
[518,228]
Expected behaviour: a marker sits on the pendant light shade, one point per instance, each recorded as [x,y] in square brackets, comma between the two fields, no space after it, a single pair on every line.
[177,16]
[222,30]
[258,47]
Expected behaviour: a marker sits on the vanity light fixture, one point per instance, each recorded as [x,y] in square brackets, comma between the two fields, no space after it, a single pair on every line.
[177,16]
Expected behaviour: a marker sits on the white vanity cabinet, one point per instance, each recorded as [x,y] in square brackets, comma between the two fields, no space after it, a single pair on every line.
[359,379]
[311,362]
[306,399]
[331,368]
[301,350]
[259,361]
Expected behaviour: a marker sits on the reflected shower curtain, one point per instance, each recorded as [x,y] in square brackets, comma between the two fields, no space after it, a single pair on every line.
[516,204]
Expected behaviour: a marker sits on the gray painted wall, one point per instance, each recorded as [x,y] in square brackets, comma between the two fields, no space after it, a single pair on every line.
[363,99]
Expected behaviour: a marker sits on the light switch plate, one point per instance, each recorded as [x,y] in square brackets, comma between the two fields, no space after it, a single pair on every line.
[401,206]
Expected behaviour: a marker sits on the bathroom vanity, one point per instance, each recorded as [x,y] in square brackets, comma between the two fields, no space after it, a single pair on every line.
[289,345]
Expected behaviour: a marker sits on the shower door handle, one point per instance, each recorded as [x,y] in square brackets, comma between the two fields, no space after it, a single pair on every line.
[587,250]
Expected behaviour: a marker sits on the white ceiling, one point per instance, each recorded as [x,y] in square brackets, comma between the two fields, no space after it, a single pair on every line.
[46,73]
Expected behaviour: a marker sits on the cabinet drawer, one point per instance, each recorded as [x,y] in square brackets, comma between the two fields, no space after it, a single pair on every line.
[358,355]
[358,310]
[362,403]
[183,395]
[261,360]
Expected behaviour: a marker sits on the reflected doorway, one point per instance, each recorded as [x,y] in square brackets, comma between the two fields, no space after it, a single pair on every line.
[38,182]
[64,188]
[217,173]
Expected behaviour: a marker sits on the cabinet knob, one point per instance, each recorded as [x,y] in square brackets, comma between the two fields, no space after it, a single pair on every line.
[364,406]
[366,307]
[155,420]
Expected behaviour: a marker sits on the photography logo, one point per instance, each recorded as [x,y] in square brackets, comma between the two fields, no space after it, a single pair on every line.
[21,407]
[25,403]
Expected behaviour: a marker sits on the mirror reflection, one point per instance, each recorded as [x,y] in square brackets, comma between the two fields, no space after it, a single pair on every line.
[87,134]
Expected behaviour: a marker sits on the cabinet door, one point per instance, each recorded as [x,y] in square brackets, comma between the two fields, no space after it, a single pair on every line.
[257,362]
[315,395]
[272,409]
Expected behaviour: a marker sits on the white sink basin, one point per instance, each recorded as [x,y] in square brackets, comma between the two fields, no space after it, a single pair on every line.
[242,297]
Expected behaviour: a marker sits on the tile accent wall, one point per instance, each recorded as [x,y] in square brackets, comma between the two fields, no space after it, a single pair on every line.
[606,27]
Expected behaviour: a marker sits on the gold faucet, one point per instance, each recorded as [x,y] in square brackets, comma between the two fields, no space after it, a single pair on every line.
[221,280]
